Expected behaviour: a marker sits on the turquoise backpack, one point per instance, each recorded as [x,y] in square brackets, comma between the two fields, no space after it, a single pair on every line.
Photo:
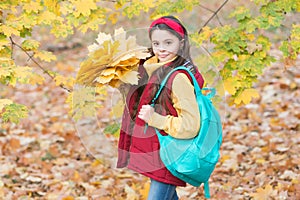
[193,160]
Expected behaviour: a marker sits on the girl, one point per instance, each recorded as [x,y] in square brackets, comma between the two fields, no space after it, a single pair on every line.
[175,113]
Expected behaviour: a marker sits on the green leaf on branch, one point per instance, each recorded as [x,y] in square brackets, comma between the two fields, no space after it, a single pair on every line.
[248,63]
[229,67]
[221,55]
[291,47]
[112,129]
[9,30]
[224,34]
[205,35]
[30,45]
[168,7]
[14,113]
[241,13]
[285,48]
[61,29]
[262,2]
[93,21]
[265,42]
[287,5]
[6,71]
[45,55]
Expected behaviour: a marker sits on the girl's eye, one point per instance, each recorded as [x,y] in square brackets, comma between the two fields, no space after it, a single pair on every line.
[168,42]
[155,43]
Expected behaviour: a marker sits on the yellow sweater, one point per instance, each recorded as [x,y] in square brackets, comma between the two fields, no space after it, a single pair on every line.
[187,124]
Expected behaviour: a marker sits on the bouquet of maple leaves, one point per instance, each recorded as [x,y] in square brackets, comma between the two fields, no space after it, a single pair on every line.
[112,61]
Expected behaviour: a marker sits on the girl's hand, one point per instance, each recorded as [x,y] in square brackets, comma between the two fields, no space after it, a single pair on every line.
[146,113]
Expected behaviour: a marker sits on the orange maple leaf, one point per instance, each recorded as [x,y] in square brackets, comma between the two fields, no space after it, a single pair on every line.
[264,193]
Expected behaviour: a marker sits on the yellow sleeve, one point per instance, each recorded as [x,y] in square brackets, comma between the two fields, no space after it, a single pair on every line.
[187,124]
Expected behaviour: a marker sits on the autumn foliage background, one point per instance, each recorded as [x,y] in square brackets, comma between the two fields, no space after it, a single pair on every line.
[50,155]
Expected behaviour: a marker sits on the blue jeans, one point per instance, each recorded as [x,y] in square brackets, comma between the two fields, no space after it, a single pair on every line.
[162,191]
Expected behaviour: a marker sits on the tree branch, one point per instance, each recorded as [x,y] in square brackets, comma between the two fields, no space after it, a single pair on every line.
[206,8]
[30,57]
[12,49]
[215,13]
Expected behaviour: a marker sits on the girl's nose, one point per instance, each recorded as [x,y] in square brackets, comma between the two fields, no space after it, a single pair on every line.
[161,48]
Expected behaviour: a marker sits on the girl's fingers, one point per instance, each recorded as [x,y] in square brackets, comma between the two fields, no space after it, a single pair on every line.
[145,112]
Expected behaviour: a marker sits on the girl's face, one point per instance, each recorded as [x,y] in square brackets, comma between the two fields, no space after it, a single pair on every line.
[165,45]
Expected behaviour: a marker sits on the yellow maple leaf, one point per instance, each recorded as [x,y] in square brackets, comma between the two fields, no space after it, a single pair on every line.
[47,17]
[130,57]
[84,7]
[131,43]
[127,61]
[33,6]
[101,38]
[45,55]
[105,79]
[29,44]
[65,81]
[27,75]
[108,71]
[105,54]
[231,84]
[115,83]
[4,102]
[246,96]
[53,6]
[206,33]
[9,31]
[130,77]
[120,34]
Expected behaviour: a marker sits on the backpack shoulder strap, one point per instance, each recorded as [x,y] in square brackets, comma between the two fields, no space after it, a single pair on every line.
[164,81]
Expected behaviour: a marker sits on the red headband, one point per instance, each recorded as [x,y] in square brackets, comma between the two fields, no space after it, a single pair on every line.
[171,23]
